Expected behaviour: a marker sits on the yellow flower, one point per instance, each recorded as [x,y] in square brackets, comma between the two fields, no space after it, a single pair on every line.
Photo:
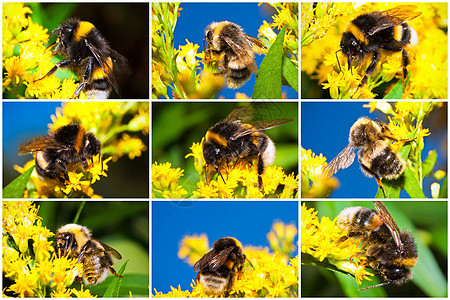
[192,248]
[24,285]
[165,181]
[197,154]
[315,183]
[240,180]
[61,292]
[207,190]
[36,272]
[270,275]
[110,124]
[324,240]
[322,28]
[83,293]
[14,15]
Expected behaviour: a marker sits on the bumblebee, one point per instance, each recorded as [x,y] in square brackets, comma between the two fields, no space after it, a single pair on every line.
[375,156]
[228,39]
[233,139]
[221,266]
[389,251]
[89,56]
[76,241]
[69,147]
[379,32]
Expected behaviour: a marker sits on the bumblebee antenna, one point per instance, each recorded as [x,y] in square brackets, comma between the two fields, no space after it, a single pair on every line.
[249,262]
[374,286]
[337,58]
[218,171]
[204,46]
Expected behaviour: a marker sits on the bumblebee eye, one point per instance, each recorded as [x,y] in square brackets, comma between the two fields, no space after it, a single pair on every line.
[209,35]
[217,150]
[354,46]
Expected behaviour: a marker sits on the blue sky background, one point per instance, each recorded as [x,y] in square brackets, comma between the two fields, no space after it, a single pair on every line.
[21,122]
[325,129]
[194,17]
[25,120]
[248,221]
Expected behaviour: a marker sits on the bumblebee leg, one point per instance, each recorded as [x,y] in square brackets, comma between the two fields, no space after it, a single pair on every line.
[54,169]
[114,272]
[371,68]
[230,283]
[61,64]
[380,184]
[86,65]
[405,63]
[370,173]
[218,171]
[206,173]
[260,172]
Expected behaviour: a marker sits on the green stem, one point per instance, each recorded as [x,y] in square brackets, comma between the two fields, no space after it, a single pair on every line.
[77,216]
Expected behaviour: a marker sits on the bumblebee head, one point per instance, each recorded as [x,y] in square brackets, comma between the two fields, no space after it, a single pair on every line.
[64,35]
[350,47]
[210,152]
[92,146]
[358,134]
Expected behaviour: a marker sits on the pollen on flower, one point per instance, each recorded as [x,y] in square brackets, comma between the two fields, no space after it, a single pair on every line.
[35,272]
[323,239]
[270,274]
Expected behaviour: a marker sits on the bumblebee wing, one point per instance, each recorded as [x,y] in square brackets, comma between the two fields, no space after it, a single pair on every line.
[121,64]
[111,250]
[39,143]
[204,261]
[256,45]
[243,51]
[106,64]
[241,113]
[342,161]
[395,16]
[389,221]
[260,126]
[220,259]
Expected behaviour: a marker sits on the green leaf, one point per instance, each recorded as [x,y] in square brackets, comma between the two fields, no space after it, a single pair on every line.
[443,191]
[396,92]
[113,288]
[428,276]
[412,185]
[268,81]
[137,284]
[290,73]
[16,188]
[310,260]
[429,162]
[408,181]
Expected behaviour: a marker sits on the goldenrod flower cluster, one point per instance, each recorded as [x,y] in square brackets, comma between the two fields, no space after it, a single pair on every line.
[25,59]
[322,29]
[269,275]
[405,122]
[323,239]
[29,259]
[106,120]
[286,15]
[165,181]
[192,248]
[175,70]
[281,238]
[314,182]
[241,180]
